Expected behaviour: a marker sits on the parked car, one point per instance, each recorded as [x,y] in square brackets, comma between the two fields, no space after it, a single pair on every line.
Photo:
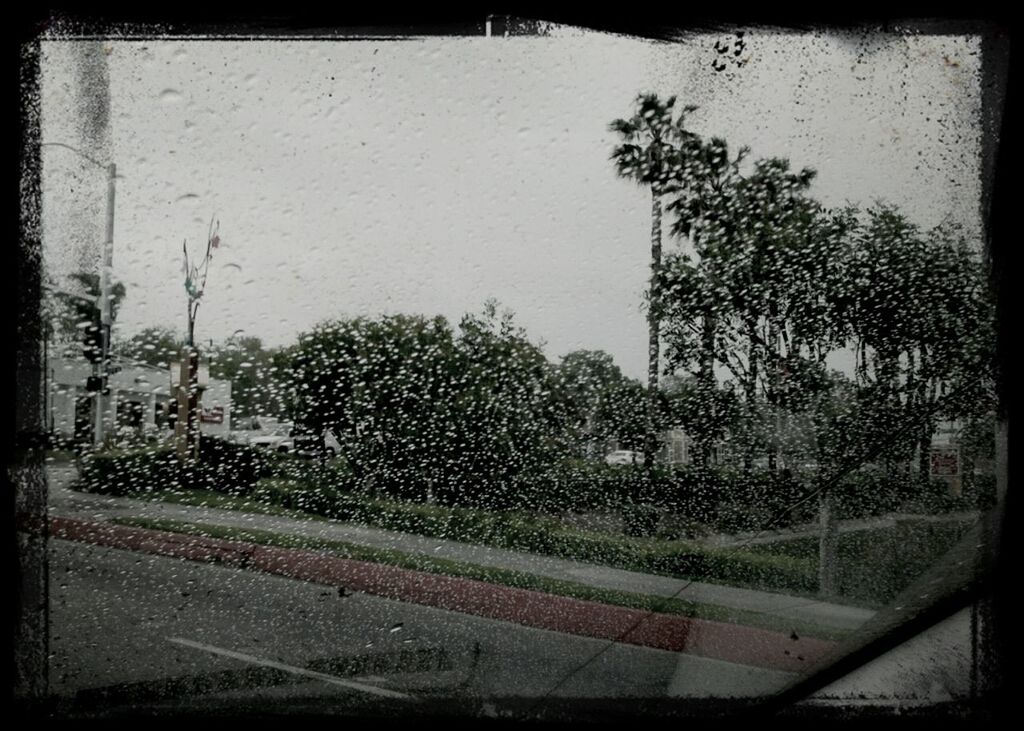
[287,438]
[240,436]
[624,456]
[278,439]
[306,444]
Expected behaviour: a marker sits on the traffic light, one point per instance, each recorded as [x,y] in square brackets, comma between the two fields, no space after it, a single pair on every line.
[92,340]
[97,384]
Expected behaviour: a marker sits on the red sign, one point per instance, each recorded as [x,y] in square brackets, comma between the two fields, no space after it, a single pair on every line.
[945,462]
[212,416]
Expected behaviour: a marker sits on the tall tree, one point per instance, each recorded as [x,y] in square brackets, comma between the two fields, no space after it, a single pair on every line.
[155,346]
[504,407]
[920,318]
[419,409]
[654,153]
[699,306]
[381,387]
[600,403]
[256,382]
[77,315]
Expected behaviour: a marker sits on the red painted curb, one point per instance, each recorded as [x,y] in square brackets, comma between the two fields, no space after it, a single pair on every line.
[706,638]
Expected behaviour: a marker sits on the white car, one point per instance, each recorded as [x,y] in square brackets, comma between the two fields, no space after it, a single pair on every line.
[283,436]
[278,439]
[240,436]
[624,456]
[304,443]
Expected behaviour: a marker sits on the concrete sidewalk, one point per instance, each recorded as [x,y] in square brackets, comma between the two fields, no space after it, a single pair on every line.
[83,506]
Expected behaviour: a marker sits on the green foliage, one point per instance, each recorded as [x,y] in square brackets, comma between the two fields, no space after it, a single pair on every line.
[521,532]
[222,467]
[779,284]
[421,411]
[640,519]
[258,376]
[125,472]
[155,346]
[228,467]
[335,473]
[654,147]
[77,318]
[776,284]
[600,404]
[875,565]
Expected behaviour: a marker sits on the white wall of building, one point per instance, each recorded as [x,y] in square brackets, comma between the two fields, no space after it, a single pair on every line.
[146,386]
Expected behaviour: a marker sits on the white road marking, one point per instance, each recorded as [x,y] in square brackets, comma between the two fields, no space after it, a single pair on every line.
[290,669]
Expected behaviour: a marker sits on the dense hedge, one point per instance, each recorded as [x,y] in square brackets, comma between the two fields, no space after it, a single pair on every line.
[721,499]
[222,466]
[536,534]
[726,501]
[128,471]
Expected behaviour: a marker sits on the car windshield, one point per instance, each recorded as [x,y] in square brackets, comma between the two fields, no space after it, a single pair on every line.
[650,373]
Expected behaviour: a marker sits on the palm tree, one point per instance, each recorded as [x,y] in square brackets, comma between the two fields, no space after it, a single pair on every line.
[653,153]
[72,311]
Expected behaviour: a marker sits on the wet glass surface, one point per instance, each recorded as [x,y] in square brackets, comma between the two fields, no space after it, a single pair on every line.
[497,371]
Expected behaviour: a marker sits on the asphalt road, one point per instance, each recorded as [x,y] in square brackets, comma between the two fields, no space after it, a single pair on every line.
[131,630]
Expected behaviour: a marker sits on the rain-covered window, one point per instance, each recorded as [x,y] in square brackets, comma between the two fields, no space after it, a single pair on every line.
[491,372]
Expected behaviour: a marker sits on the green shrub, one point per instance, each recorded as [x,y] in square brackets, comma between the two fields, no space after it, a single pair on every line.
[222,467]
[227,467]
[566,486]
[640,520]
[693,492]
[529,533]
[128,471]
[876,565]
[868,493]
[980,491]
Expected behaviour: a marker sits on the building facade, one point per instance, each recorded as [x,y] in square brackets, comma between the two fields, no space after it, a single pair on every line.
[140,399]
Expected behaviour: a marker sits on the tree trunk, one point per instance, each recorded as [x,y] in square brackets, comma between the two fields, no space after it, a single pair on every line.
[707,388]
[653,314]
[887,375]
[774,377]
[187,425]
[828,543]
[750,394]
[924,445]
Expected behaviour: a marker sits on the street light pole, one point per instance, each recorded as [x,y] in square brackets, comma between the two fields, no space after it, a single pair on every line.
[105,269]
[108,259]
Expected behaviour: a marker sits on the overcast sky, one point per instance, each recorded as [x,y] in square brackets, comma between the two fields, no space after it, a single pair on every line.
[426,176]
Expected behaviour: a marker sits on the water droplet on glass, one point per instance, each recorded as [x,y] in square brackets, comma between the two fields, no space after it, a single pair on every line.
[170,96]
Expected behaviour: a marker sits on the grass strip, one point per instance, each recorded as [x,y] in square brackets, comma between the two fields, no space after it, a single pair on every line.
[492,575]
[543,537]
[210,499]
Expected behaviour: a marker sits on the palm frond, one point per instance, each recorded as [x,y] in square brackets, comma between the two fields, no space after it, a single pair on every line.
[625,127]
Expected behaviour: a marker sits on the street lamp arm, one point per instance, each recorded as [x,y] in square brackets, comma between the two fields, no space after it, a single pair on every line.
[75,150]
